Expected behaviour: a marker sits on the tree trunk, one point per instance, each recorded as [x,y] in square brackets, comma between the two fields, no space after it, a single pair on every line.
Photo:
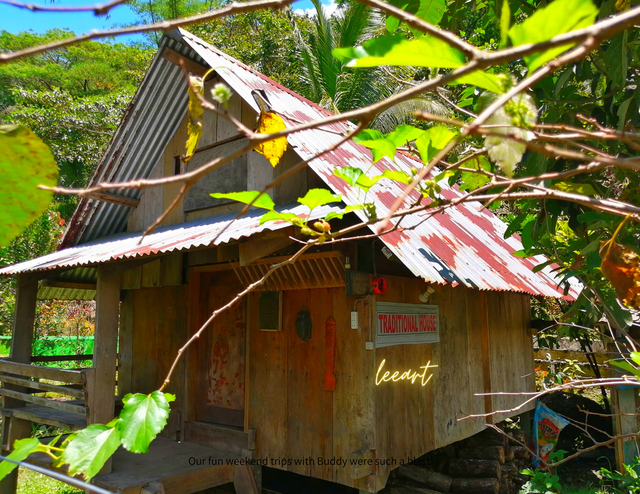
[474,468]
[475,486]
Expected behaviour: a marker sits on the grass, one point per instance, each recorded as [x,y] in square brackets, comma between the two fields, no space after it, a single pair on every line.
[30,482]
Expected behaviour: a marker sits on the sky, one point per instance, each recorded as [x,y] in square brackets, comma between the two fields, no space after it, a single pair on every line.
[15,20]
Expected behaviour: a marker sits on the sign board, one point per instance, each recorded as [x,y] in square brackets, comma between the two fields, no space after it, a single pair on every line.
[406,324]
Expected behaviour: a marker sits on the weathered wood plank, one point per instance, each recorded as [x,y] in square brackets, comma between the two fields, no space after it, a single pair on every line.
[224,438]
[102,403]
[125,336]
[51,373]
[38,400]
[41,386]
[45,415]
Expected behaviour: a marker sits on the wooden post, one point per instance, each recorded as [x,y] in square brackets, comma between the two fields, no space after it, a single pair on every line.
[21,343]
[102,403]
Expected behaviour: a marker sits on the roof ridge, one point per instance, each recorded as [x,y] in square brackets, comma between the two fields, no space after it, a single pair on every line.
[253,71]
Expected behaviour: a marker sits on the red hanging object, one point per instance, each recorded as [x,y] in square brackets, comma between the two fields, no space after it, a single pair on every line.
[379,286]
[330,355]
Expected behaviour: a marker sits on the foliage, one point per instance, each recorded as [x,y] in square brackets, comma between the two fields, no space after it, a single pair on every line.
[23,201]
[332,82]
[86,452]
[626,483]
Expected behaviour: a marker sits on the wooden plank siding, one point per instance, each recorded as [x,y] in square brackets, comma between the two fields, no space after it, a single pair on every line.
[159,329]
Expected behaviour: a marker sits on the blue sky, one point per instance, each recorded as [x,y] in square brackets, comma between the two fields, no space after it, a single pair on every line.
[16,20]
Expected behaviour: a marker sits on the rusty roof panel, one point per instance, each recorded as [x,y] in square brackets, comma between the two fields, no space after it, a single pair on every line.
[205,232]
[463,246]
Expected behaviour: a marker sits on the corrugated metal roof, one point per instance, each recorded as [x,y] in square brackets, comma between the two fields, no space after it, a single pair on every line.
[149,123]
[76,275]
[465,245]
[184,236]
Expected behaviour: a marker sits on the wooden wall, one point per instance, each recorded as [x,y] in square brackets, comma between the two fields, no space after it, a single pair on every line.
[219,137]
[152,329]
[294,416]
[484,346]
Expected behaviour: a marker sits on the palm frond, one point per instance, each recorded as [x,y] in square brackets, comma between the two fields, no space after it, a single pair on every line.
[402,113]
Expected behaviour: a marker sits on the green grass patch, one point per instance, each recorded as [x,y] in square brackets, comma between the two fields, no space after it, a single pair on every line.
[30,482]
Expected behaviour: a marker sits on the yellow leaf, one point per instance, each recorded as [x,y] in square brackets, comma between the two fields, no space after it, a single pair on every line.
[194,125]
[270,123]
[621,266]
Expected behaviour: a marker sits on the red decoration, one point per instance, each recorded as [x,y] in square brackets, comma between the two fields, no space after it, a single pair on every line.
[379,286]
[330,355]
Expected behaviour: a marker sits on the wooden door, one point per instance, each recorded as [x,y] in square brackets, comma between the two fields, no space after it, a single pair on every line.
[221,356]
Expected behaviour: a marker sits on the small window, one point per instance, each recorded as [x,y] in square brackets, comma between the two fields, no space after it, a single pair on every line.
[270,310]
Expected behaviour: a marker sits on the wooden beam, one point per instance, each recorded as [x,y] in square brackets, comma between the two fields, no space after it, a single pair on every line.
[50,373]
[41,386]
[130,202]
[72,285]
[184,63]
[259,248]
[21,346]
[44,402]
[102,403]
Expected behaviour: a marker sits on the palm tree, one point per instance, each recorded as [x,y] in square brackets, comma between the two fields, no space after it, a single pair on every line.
[338,88]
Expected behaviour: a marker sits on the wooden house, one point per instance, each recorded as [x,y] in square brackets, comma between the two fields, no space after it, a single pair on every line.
[255,386]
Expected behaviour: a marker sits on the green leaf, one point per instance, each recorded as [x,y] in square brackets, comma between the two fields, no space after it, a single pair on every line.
[515,225]
[505,24]
[485,80]
[90,449]
[400,51]
[247,197]
[318,197]
[473,181]
[349,174]
[615,59]
[585,189]
[25,163]
[558,17]
[625,366]
[428,10]
[380,146]
[22,448]
[276,216]
[635,356]
[403,134]
[432,141]
[398,176]
[142,418]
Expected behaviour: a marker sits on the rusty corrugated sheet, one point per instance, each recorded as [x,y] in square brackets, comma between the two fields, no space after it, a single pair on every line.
[205,232]
[463,246]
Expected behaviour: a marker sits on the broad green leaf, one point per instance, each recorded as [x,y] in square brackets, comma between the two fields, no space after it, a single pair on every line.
[195,114]
[90,449]
[615,59]
[403,134]
[585,189]
[515,225]
[432,141]
[482,79]
[25,163]
[472,181]
[428,10]
[505,24]
[635,356]
[349,174]
[346,210]
[276,216]
[318,197]
[559,17]
[398,176]
[142,418]
[365,182]
[22,448]
[380,146]
[247,197]
[400,51]
[625,366]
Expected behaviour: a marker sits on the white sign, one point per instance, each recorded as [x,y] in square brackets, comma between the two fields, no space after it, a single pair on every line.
[406,324]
